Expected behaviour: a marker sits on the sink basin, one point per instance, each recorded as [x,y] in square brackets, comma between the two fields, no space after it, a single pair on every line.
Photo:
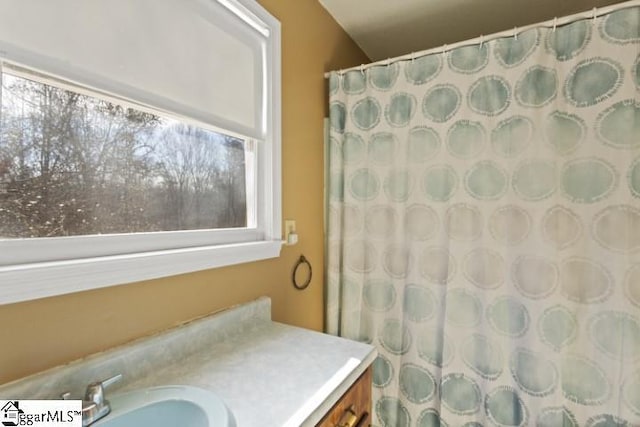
[167,406]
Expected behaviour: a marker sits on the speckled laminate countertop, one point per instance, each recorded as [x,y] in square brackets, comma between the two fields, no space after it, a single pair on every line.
[268,374]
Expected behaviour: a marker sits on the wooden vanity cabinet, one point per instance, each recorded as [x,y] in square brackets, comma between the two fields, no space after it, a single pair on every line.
[354,407]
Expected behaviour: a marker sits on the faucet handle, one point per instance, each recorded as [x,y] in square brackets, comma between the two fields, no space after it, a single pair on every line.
[95,391]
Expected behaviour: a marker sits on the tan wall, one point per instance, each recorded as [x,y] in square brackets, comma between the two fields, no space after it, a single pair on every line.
[40,334]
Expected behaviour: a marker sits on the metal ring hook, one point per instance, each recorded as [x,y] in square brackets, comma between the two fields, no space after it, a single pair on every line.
[305,284]
[515,33]
[362,69]
[413,57]
[444,49]
[481,41]
[555,23]
[388,63]
[595,14]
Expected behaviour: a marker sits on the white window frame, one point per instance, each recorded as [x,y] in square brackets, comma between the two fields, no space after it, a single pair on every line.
[44,267]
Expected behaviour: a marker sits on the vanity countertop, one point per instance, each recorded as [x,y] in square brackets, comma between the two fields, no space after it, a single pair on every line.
[268,373]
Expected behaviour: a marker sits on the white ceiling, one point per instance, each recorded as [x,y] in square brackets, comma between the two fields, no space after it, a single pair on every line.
[390,28]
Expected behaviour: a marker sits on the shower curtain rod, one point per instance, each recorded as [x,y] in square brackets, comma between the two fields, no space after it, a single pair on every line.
[552,23]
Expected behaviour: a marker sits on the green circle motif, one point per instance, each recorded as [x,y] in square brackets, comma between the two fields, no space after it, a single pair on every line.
[400,109]
[504,407]
[395,336]
[439,183]
[392,413]
[534,276]
[382,148]
[583,381]
[366,113]
[489,95]
[537,87]
[483,356]
[588,180]
[513,51]
[617,228]
[379,295]
[621,26]
[486,180]
[383,77]
[592,81]
[397,261]
[364,185]
[380,221]
[337,116]
[585,281]
[460,394]
[354,82]
[556,416]
[420,222]
[606,420]
[398,185]
[567,41]
[469,59]
[616,334]
[382,371]
[430,418]
[353,148]
[422,144]
[463,222]
[334,83]
[465,139]
[422,70]
[619,125]
[361,256]
[534,374]
[507,316]
[419,303]
[564,132]
[484,268]
[441,103]
[512,136]
[416,383]
[557,327]
[633,177]
[465,308]
[535,179]
[336,186]
[438,265]
[434,347]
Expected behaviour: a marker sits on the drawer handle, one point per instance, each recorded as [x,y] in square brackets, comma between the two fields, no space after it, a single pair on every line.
[350,419]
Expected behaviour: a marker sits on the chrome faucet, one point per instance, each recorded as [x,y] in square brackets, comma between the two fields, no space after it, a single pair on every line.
[94,405]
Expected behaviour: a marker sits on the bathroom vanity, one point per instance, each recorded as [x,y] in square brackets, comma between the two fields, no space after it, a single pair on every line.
[266,373]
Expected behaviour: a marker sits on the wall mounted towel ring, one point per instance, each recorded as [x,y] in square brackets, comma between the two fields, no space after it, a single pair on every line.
[306,283]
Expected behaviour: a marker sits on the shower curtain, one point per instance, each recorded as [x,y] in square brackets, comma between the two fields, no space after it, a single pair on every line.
[484,228]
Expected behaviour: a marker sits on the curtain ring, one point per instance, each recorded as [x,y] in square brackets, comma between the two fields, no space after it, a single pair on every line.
[595,14]
[362,69]
[413,57]
[305,284]
[515,33]
[555,23]
[388,62]
[481,41]
[444,50]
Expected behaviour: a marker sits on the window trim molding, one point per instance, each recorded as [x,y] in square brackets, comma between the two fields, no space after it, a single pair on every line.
[47,278]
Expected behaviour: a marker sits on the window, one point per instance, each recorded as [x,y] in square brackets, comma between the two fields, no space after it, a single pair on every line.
[104,182]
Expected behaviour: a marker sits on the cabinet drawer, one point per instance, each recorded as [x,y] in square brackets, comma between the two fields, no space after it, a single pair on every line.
[354,407]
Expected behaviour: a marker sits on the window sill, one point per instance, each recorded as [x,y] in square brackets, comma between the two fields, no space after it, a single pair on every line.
[48,279]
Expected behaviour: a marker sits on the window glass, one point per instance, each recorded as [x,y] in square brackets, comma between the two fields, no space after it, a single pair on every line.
[73,164]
